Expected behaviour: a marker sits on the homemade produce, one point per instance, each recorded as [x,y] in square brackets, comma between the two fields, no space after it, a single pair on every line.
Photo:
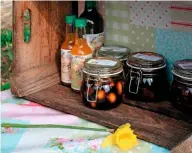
[80,52]
[181,89]
[66,50]
[102,85]
[146,77]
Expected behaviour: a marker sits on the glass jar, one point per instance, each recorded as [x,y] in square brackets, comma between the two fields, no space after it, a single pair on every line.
[181,89]
[115,51]
[146,79]
[102,85]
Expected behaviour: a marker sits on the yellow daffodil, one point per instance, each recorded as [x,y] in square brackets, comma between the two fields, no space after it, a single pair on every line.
[123,137]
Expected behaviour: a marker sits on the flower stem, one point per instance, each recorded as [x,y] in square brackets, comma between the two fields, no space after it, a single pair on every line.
[52,126]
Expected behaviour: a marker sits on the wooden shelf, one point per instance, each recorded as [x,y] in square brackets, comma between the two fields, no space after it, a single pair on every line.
[162,107]
[150,126]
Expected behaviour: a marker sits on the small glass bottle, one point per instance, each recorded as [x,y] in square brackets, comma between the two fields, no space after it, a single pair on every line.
[66,50]
[80,52]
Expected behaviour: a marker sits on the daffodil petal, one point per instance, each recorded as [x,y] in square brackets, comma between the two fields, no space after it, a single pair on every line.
[124,137]
[108,141]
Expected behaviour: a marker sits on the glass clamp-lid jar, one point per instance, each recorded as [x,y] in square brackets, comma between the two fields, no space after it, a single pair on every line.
[102,85]
[146,79]
[115,51]
[181,89]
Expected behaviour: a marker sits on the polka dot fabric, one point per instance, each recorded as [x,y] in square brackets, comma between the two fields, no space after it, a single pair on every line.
[120,31]
[152,14]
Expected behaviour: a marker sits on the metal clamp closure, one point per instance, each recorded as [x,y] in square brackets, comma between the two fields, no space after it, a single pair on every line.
[138,77]
[97,87]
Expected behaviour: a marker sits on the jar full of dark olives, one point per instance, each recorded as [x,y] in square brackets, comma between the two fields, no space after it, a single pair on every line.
[102,85]
[181,89]
[146,78]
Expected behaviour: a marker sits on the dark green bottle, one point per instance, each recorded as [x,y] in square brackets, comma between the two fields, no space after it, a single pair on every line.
[95,25]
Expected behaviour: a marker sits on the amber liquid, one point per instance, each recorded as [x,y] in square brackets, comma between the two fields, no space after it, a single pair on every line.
[80,49]
[68,44]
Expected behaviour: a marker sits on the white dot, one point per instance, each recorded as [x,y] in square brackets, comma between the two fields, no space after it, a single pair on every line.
[152,46]
[152,35]
[133,43]
[130,152]
[133,32]
[147,40]
[138,148]
[142,44]
[137,38]
[147,28]
[142,33]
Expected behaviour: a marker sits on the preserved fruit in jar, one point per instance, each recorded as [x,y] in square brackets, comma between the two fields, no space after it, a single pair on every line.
[102,85]
[146,78]
[181,89]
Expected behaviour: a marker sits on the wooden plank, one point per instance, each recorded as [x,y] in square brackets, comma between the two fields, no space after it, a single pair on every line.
[42,52]
[35,79]
[162,107]
[47,33]
[184,147]
[149,126]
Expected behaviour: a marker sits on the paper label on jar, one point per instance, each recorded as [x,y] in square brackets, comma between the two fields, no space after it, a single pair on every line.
[102,62]
[147,57]
[114,48]
[66,66]
[77,64]
[95,41]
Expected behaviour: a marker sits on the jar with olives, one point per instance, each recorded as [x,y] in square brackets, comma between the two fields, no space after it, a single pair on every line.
[115,51]
[181,89]
[102,85]
[146,79]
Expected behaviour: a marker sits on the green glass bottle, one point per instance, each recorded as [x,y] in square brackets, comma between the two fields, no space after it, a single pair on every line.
[95,26]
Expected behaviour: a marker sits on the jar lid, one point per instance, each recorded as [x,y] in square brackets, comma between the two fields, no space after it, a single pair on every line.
[183,69]
[146,60]
[115,51]
[102,66]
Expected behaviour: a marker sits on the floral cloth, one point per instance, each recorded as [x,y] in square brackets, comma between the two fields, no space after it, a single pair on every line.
[18,140]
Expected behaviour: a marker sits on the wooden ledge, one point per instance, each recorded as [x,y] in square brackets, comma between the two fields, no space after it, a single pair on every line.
[149,126]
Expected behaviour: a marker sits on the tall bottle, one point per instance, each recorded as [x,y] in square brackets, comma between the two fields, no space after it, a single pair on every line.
[66,50]
[95,26]
[80,52]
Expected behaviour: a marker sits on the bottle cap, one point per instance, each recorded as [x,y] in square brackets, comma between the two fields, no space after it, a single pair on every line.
[80,22]
[90,4]
[69,19]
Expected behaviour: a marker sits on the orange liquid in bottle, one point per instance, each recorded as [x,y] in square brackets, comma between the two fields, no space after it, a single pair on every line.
[66,51]
[80,52]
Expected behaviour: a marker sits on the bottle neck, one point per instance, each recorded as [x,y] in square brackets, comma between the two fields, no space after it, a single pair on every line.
[79,33]
[69,32]
[90,6]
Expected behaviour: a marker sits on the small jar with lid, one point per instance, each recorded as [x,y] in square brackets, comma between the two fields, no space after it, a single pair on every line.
[181,89]
[146,79]
[102,85]
[115,51]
